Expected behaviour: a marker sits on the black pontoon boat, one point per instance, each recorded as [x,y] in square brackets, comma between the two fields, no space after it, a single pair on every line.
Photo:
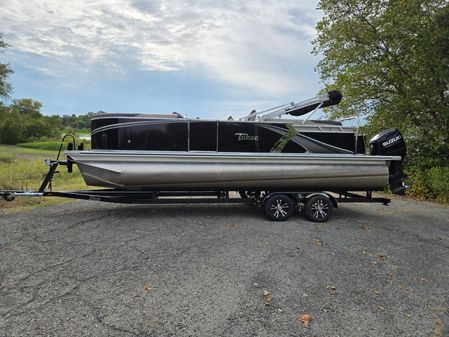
[260,155]
[258,152]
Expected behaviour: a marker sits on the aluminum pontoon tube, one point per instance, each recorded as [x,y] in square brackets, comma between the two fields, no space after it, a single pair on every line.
[190,170]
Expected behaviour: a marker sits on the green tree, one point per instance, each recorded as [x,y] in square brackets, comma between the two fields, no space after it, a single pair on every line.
[27,107]
[22,121]
[391,61]
[5,71]
[10,129]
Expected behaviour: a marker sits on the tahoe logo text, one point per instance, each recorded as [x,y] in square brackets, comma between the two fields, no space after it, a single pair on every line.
[245,136]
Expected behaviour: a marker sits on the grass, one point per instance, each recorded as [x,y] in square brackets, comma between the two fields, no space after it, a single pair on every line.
[49,145]
[85,132]
[24,153]
[24,168]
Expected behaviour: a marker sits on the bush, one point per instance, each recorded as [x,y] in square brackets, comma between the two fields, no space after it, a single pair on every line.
[439,182]
[10,130]
[429,184]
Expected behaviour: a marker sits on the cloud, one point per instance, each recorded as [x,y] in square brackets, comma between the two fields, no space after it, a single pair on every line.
[257,46]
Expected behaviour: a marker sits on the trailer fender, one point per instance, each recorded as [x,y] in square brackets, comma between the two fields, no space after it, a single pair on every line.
[295,196]
[324,194]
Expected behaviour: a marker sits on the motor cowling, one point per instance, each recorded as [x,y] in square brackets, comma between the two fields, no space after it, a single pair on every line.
[391,143]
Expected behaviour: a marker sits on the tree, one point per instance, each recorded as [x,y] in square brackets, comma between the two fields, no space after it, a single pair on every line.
[391,60]
[10,129]
[22,121]
[26,107]
[5,71]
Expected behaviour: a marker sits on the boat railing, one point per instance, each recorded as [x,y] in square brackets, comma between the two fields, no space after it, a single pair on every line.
[348,118]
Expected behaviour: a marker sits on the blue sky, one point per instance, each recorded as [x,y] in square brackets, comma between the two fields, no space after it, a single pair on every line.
[202,58]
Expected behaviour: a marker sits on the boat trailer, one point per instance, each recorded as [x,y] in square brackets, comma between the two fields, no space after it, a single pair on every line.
[278,205]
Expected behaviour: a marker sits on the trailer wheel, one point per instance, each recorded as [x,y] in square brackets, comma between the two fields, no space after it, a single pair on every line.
[8,197]
[318,208]
[279,207]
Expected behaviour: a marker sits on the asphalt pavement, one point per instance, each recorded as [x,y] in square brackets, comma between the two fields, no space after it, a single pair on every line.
[94,269]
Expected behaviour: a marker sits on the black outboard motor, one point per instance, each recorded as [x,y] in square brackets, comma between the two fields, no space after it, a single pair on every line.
[390,143]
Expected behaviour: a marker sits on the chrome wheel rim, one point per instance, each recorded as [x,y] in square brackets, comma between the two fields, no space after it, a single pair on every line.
[279,208]
[320,209]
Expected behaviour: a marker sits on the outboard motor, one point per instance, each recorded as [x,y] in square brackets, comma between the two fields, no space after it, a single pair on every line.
[390,143]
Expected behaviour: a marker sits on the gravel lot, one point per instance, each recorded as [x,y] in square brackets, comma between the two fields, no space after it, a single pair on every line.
[93,269]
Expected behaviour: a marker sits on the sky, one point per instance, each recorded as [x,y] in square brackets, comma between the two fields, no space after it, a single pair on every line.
[201,58]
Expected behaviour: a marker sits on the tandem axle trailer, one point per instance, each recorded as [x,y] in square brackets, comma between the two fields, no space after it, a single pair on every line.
[278,205]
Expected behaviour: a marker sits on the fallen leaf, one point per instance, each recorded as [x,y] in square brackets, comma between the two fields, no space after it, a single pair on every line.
[305,319]
[266,297]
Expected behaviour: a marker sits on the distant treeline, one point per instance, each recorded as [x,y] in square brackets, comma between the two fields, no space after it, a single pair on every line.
[22,121]
[76,122]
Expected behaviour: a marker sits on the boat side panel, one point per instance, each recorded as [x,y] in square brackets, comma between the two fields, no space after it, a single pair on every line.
[153,135]
[231,136]
[202,135]
[343,140]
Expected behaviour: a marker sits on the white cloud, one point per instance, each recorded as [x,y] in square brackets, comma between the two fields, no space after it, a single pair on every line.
[257,46]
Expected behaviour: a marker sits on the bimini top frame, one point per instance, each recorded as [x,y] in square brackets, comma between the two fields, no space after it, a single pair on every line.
[296,109]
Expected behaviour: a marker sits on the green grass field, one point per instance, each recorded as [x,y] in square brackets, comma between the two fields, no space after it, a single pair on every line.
[83,132]
[49,145]
[24,168]
[24,153]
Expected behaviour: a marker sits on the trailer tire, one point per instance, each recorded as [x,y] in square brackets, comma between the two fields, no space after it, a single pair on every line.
[8,197]
[279,207]
[318,208]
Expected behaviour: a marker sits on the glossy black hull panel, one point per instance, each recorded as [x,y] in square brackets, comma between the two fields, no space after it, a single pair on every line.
[179,134]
